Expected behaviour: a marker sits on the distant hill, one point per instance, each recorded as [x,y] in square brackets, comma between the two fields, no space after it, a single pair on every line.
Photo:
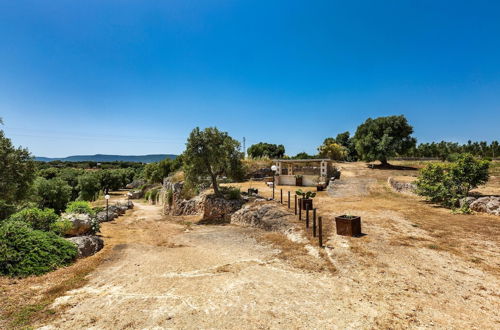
[109,158]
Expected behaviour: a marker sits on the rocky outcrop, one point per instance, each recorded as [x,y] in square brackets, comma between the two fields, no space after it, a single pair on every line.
[218,208]
[81,223]
[267,216]
[87,245]
[136,194]
[135,184]
[488,204]
[402,186]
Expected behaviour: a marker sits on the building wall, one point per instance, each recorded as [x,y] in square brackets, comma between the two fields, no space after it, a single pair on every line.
[289,180]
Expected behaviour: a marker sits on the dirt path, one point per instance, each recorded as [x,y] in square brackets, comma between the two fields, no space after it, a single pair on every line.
[161,276]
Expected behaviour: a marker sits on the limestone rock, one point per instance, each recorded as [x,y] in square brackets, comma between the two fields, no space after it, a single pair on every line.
[101,216]
[87,245]
[488,204]
[81,223]
[267,216]
[216,207]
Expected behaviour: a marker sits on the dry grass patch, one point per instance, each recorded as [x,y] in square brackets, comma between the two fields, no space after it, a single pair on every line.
[296,254]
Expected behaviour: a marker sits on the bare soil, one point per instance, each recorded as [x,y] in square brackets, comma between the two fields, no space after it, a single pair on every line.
[417,266]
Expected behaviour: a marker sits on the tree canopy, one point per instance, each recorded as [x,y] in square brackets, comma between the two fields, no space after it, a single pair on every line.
[269,150]
[17,172]
[211,153]
[383,137]
[332,150]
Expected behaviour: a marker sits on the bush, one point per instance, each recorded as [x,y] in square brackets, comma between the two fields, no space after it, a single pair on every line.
[36,218]
[25,251]
[446,184]
[231,192]
[170,197]
[80,207]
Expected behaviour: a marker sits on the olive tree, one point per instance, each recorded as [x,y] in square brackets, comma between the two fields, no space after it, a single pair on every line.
[17,172]
[211,154]
[383,137]
[53,193]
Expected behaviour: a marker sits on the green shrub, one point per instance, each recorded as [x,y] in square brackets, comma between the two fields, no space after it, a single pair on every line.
[36,218]
[80,207]
[154,194]
[231,192]
[446,184]
[170,197]
[25,251]
[61,227]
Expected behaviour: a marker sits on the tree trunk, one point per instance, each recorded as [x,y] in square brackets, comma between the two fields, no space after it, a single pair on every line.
[384,162]
[215,185]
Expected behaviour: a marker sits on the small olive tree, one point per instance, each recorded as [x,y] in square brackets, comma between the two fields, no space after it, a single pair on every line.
[446,184]
[211,154]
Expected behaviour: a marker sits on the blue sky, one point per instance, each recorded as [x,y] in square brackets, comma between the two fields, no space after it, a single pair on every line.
[134,77]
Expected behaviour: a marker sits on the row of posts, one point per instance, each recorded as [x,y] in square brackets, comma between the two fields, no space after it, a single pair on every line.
[317,222]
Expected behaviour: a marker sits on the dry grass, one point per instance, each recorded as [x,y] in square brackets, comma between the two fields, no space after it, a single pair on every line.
[296,254]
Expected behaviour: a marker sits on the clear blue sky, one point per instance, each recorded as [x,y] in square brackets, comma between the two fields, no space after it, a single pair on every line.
[134,77]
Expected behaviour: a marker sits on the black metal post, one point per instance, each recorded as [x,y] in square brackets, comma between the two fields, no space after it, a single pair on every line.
[288,199]
[300,210]
[281,196]
[307,215]
[274,179]
[320,231]
[314,222]
[295,204]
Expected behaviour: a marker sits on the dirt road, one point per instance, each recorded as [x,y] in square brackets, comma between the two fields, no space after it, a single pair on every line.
[161,274]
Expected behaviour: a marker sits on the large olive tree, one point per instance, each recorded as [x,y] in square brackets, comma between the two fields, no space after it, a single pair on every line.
[17,172]
[383,137]
[211,154]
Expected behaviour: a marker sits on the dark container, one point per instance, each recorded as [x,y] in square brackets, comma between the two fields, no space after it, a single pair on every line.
[298,182]
[253,191]
[348,225]
[305,202]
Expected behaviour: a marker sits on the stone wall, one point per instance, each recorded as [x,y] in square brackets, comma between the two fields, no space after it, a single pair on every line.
[402,186]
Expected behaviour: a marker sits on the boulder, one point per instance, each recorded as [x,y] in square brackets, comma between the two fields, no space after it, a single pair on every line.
[81,223]
[87,245]
[488,204]
[101,216]
[267,216]
[116,209]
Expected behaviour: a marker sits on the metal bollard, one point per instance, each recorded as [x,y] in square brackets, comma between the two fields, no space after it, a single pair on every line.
[295,204]
[288,199]
[307,215]
[320,231]
[300,210]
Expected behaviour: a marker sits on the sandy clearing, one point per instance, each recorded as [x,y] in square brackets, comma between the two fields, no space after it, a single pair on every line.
[403,274]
